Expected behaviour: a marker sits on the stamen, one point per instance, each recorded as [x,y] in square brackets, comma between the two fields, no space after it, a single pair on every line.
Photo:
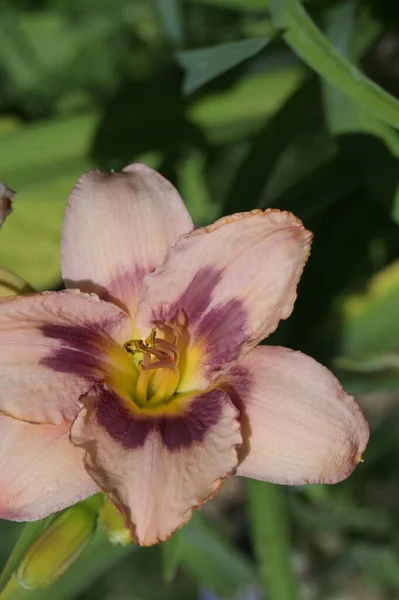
[146,361]
[142,386]
[169,348]
[150,341]
[161,364]
[163,385]
[158,375]
[176,327]
[172,330]
[150,351]
[128,347]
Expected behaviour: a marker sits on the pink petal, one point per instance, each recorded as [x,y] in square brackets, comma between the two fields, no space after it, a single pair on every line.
[41,472]
[299,425]
[157,470]
[117,228]
[234,281]
[52,348]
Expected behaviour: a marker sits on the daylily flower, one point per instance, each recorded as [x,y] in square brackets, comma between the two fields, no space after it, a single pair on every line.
[144,378]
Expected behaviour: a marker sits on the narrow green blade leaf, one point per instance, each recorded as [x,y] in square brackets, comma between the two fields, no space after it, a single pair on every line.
[304,38]
[370,326]
[231,114]
[271,540]
[205,64]
[43,173]
[369,358]
[369,145]
[29,156]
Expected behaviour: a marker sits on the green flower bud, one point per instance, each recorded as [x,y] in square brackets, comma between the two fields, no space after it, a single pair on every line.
[54,550]
[112,523]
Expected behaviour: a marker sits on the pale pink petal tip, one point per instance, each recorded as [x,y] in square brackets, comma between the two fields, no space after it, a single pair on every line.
[299,425]
[117,228]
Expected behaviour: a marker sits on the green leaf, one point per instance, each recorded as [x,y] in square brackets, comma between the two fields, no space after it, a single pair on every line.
[368,358]
[43,173]
[370,326]
[30,156]
[205,64]
[53,63]
[238,112]
[370,146]
[36,223]
[213,561]
[306,40]
[269,532]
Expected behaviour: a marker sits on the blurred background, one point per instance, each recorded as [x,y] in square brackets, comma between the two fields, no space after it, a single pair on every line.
[241,104]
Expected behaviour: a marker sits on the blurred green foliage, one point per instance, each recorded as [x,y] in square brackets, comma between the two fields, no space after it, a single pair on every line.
[242,104]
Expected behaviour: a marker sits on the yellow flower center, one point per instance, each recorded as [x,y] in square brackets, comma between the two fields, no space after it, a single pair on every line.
[156,361]
[157,375]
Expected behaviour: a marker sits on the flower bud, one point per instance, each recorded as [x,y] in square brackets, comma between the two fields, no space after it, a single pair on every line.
[112,523]
[54,550]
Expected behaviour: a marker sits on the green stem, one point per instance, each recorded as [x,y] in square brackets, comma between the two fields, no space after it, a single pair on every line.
[270,535]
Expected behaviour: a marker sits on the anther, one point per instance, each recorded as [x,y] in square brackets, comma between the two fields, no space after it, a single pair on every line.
[128,346]
[150,340]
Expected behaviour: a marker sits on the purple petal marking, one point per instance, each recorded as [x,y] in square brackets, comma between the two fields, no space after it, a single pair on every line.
[177,432]
[195,299]
[66,360]
[81,348]
[223,328]
[132,281]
